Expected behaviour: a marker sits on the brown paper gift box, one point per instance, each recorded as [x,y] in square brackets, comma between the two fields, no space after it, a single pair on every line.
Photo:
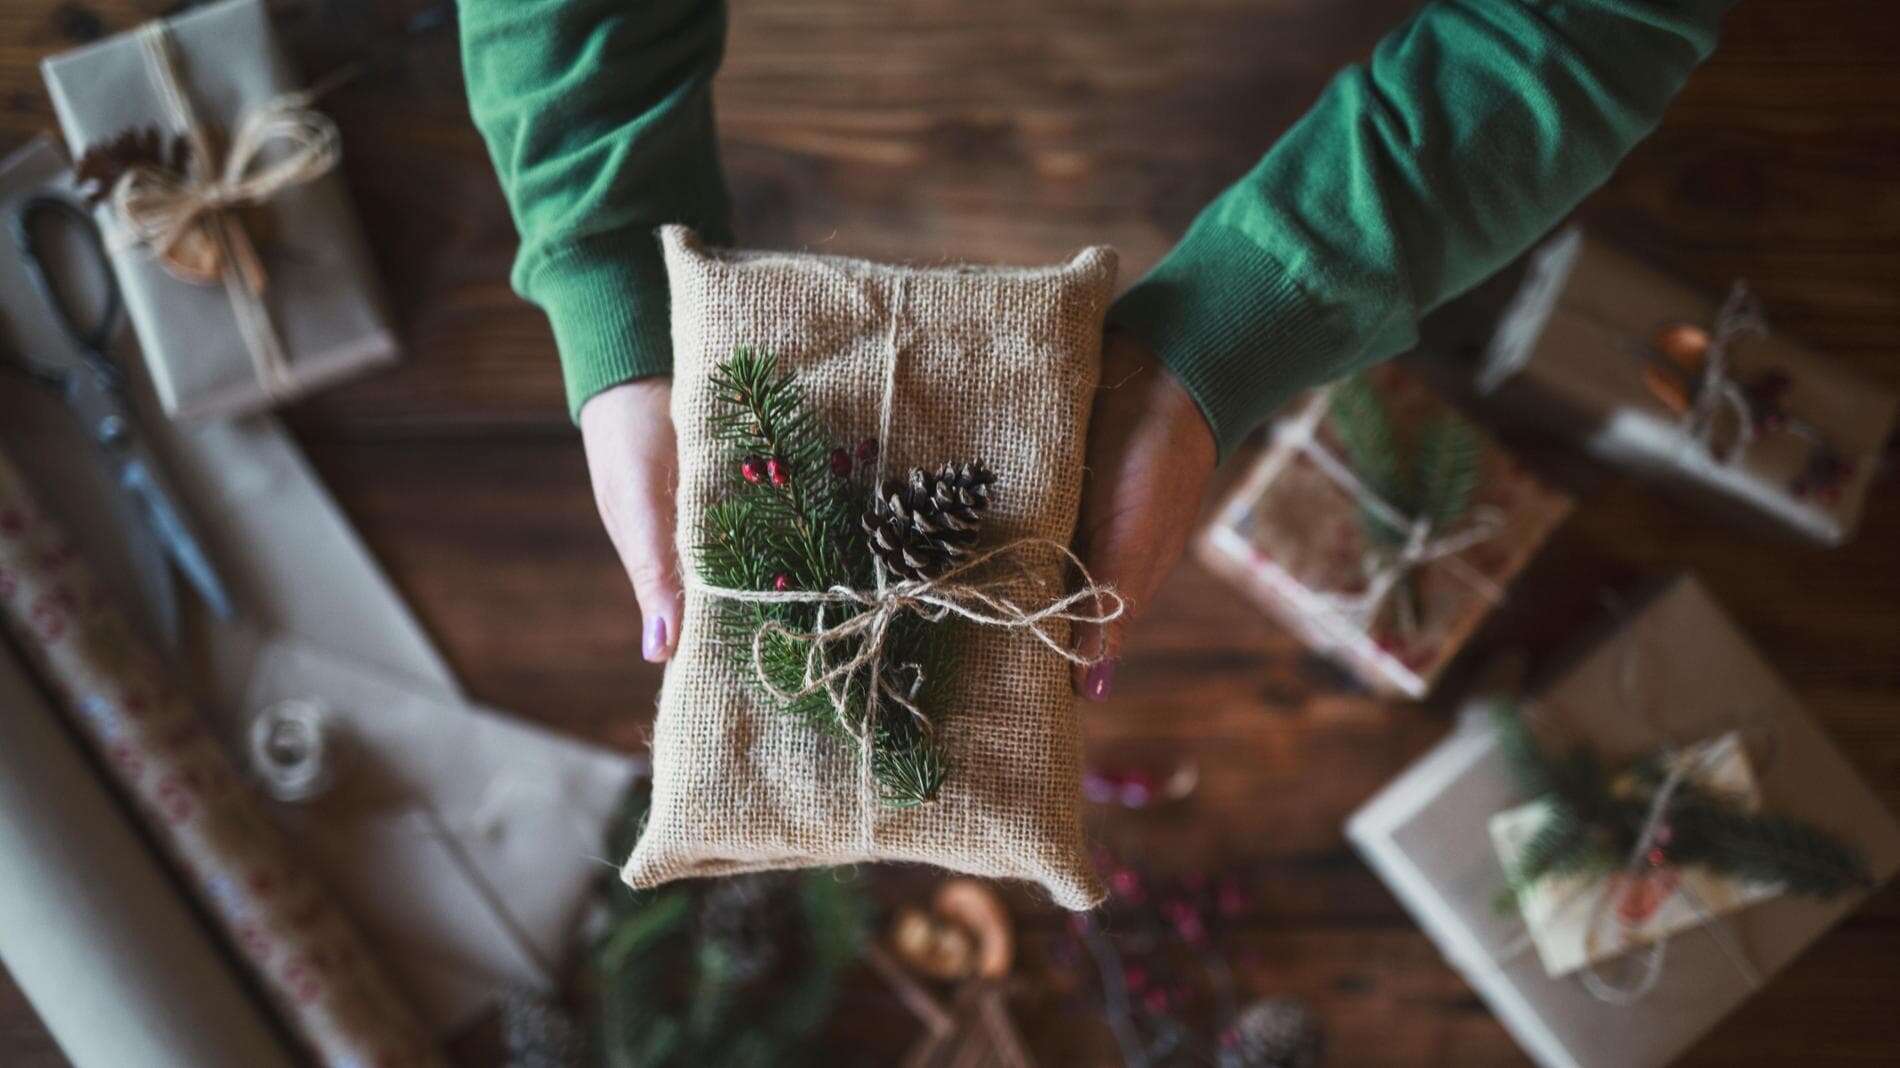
[1568,346]
[1289,535]
[1677,665]
[321,292]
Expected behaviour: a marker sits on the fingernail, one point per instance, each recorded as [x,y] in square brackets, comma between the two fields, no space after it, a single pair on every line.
[653,645]
[1099,681]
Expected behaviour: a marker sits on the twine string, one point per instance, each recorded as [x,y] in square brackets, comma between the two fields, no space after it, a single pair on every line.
[1423,544]
[1739,316]
[185,220]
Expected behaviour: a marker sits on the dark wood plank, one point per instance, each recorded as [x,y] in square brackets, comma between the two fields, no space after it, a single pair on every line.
[927,129]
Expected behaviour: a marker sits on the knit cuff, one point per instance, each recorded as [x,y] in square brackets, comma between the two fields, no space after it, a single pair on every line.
[1232,325]
[605,296]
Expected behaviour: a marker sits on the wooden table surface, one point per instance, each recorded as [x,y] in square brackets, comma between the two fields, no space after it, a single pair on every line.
[1002,130]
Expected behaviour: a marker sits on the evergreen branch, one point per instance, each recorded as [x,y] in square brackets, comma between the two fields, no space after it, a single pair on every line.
[1801,858]
[803,530]
[1366,435]
[1596,820]
[1447,464]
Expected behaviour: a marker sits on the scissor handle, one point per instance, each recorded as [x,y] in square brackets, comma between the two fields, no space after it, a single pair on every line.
[91,341]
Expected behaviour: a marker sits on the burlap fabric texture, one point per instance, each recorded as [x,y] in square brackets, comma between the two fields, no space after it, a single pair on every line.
[995,365]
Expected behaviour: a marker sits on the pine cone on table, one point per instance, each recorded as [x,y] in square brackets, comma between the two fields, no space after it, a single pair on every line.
[921,526]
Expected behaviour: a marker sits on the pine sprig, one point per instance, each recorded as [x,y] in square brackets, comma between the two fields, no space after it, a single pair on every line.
[1447,471]
[1593,821]
[1431,475]
[801,531]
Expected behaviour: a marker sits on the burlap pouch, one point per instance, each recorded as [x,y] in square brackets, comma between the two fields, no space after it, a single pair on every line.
[990,364]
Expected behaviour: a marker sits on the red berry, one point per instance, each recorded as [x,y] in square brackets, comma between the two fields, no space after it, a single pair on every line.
[781,582]
[840,463]
[779,472]
[867,450]
[752,469]
[1127,885]
[1135,978]
[1656,858]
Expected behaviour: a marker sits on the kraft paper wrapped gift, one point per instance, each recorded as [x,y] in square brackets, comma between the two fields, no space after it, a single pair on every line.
[1677,666]
[213,348]
[1293,536]
[1616,350]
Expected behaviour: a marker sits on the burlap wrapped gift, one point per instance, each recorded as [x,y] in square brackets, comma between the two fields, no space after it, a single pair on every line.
[990,364]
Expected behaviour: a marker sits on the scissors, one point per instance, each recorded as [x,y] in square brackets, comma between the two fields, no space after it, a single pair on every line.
[92,385]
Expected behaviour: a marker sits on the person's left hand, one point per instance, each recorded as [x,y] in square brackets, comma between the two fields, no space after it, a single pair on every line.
[1150,456]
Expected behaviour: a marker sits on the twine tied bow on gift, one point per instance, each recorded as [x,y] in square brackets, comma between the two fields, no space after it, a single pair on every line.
[1707,357]
[184,218]
[1423,543]
[863,627]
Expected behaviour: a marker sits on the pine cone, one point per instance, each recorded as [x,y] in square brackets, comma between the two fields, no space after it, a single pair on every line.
[921,526]
[1273,1033]
[100,168]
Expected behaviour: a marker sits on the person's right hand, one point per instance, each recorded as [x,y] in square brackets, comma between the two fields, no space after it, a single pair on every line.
[628,434]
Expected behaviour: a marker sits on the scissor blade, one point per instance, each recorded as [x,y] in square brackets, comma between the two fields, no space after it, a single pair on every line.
[142,480]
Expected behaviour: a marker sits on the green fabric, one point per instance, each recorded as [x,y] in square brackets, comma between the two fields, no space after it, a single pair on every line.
[1473,128]
[598,117]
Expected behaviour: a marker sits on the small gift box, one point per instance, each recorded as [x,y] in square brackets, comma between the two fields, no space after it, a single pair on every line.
[1381,528]
[244,271]
[1678,925]
[1657,376]
[1561,911]
[879,473]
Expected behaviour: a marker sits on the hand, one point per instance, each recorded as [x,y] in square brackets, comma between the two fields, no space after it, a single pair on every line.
[1150,456]
[628,434]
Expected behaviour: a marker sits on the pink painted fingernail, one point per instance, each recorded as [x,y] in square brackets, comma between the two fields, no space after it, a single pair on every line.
[653,645]
[1099,681]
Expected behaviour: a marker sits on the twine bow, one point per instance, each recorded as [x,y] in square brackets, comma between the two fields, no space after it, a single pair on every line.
[1423,544]
[869,614]
[1716,390]
[185,220]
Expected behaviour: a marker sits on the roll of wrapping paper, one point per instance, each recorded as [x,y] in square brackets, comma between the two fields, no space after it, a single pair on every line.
[303,951]
[104,945]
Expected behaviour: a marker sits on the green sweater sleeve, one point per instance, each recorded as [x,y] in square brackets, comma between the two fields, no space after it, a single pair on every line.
[598,117]
[1473,128]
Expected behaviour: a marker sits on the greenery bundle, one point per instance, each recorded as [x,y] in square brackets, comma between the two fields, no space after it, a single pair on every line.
[1430,475]
[718,973]
[794,520]
[1596,818]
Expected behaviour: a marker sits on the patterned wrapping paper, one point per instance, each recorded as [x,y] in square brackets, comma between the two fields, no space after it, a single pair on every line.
[1292,537]
[1579,345]
[155,745]
[1677,670]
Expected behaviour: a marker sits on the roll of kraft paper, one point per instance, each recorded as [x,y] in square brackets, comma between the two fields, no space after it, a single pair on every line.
[304,953]
[103,944]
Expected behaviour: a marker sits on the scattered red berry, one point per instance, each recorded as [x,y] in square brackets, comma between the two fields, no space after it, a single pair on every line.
[781,582]
[1656,857]
[752,469]
[1127,885]
[841,463]
[1135,978]
[779,472]
[867,450]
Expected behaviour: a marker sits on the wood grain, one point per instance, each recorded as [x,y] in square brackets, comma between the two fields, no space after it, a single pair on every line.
[1001,130]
